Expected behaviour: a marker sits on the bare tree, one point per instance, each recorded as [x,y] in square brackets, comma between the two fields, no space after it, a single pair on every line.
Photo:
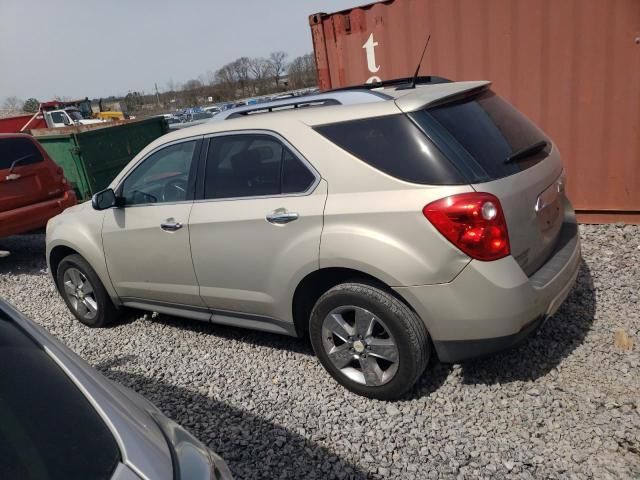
[227,81]
[302,71]
[191,90]
[241,69]
[172,86]
[277,65]
[192,84]
[210,77]
[259,69]
[13,103]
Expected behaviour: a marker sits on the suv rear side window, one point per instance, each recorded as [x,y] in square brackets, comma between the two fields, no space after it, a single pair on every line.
[480,132]
[251,165]
[19,150]
[394,145]
[48,429]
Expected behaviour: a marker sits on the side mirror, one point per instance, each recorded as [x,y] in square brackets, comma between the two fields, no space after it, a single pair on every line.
[66,120]
[105,199]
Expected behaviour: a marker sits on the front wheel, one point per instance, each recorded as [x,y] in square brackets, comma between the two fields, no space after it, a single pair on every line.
[368,340]
[84,293]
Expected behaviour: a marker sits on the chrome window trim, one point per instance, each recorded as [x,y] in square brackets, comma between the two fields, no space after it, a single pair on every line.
[185,202]
[310,190]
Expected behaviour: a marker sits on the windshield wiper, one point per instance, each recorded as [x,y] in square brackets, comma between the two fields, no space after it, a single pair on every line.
[527,151]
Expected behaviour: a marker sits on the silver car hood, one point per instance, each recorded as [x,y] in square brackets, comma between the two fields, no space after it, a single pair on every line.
[142,443]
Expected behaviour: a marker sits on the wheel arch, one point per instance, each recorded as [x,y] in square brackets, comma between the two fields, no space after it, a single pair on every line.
[56,253]
[316,283]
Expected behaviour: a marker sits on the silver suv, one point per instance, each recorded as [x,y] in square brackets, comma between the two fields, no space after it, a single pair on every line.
[433,218]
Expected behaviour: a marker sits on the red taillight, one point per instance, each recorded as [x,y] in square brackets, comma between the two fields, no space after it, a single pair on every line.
[473,222]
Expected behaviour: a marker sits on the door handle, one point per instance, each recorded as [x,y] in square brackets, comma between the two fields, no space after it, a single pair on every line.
[280,217]
[171,226]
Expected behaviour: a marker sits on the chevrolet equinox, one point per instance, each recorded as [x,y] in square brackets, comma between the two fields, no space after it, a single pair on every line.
[429,218]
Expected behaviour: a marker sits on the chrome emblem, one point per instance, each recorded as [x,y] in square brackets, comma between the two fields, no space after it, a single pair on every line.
[549,196]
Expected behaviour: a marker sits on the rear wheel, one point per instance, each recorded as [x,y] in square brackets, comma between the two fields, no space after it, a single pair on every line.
[368,340]
[84,293]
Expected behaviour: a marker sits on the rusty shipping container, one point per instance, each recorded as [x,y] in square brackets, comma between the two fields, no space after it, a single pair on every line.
[572,66]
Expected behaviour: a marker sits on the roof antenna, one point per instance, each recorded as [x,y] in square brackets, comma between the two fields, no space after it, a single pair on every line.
[415,75]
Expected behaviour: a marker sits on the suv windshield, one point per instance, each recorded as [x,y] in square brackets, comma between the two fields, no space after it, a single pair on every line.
[48,429]
[485,136]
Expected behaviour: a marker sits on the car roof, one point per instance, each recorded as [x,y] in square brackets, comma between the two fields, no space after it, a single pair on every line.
[336,98]
[15,135]
[392,102]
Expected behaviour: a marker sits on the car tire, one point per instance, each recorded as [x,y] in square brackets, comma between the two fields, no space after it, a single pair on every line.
[74,272]
[355,326]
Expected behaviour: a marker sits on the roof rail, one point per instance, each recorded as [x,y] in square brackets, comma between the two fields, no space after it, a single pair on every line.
[393,82]
[302,102]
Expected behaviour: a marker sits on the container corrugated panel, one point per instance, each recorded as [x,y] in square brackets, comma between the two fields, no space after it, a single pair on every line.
[21,123]
[107,151]
[63,150]
[572,66]
[91,158]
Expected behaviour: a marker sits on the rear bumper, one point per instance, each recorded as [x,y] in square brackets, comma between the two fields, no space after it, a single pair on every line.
[492,306]
[32,217]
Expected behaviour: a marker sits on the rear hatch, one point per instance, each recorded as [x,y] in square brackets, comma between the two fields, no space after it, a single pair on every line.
[501,152]
[27,174]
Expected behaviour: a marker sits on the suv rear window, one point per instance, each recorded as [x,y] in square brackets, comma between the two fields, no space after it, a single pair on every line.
[48,429]
[394,145]
[480,132]
[21,149]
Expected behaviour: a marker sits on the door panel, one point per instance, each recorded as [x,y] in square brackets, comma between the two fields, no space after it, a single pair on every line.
[246,264]
[34,178]
[147,262]
[146,243]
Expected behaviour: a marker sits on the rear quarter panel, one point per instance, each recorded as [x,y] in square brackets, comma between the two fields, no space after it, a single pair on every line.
[373,222]
[385,234]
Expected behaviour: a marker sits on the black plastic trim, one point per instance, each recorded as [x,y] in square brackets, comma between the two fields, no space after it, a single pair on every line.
[453,351]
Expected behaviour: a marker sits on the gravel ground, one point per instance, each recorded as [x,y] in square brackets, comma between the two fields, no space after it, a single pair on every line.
[566,404]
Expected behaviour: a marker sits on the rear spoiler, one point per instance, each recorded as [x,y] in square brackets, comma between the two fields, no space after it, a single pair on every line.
[438,94]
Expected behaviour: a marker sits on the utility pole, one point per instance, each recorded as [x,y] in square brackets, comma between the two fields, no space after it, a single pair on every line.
[157,94]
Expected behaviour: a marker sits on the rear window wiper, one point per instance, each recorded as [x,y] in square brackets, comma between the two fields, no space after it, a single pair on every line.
[17,161]
[527,151]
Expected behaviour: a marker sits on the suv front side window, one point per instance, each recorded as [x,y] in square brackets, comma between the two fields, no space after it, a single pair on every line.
[163,177]
[252,165]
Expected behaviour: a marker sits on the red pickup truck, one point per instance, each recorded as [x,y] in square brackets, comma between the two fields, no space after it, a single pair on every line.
[32,187]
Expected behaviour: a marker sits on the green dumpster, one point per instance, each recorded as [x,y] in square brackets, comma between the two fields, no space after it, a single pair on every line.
[92,157]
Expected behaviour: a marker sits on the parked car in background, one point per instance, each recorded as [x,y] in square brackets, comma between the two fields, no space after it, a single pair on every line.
[61,419]
[432,218]
[32,187]
[213,109]
[191,118]
[69,117]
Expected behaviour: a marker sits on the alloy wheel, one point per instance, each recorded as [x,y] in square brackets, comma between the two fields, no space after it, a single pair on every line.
[80,293]
[360,345]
